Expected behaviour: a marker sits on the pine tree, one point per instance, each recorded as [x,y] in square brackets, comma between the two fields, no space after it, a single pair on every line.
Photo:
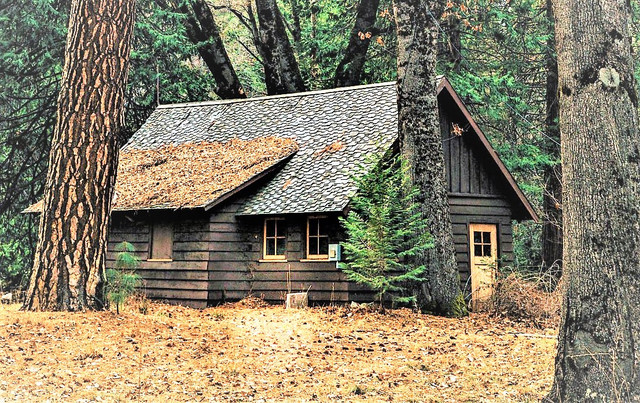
[381,228]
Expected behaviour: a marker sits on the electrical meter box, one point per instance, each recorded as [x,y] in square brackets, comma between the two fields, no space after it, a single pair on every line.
[335,252]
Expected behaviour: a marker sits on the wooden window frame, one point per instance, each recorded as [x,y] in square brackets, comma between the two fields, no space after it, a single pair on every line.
[152,229]
[276,237]
[311,256]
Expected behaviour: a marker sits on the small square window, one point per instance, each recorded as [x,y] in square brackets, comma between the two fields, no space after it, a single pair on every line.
[317,238]
[275,239]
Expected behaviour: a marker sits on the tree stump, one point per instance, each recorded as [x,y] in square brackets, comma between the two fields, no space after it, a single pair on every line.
[297,300]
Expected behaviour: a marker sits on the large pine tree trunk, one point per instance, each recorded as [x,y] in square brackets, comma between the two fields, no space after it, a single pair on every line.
[421,145]
[351,66]
[598,356]
[68,272]
[552,197]
[281,70]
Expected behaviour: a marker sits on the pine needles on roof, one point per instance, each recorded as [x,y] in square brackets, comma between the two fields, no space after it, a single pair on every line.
[193,174]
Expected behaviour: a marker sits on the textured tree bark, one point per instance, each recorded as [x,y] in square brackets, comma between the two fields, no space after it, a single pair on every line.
[598,356]
[203,31]
[421,145]
[351,66]
[68,272]
[281,70]
[552,197]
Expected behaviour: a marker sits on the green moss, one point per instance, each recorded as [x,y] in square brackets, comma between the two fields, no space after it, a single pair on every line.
[459,307]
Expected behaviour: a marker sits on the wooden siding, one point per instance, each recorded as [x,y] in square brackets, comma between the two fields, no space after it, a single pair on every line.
[236,268]
[184,279]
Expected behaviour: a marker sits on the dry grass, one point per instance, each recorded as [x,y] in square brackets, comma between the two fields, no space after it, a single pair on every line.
[240,353]
[192,174]
[535,298]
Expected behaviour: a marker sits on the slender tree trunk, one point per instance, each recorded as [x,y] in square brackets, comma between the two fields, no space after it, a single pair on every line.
[203,31]
[352,64]
[69,267]
[282,74]
[451,43]
[421,144]
[598,356]
[552,197]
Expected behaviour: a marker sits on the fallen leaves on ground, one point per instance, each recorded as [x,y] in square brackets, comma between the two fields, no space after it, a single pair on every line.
[249,352]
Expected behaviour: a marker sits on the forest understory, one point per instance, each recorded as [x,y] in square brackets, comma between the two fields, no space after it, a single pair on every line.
[252,352]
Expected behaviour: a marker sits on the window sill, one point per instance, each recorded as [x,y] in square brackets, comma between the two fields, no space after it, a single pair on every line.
[159,260]
[316,260]
[273,260]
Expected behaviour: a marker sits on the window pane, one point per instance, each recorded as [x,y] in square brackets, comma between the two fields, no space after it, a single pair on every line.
[280,242]
[313,245]
[323,248]
[477,250]
[477,237]
[271,247]
[313,226]
[271,228]
[486,237]
[322,226]
[486,249]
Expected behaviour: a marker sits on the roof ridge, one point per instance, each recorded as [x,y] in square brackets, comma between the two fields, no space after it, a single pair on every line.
[264,97]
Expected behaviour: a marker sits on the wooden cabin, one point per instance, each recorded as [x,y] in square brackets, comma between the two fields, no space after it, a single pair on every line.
[264,220]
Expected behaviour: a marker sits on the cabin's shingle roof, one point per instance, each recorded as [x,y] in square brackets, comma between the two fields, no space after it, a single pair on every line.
[334,129]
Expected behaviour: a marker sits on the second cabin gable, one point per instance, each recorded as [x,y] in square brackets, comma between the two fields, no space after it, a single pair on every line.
[469,169]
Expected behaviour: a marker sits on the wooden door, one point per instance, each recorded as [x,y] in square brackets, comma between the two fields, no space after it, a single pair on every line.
[483,242]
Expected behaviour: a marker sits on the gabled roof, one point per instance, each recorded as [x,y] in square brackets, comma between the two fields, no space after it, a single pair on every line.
[334,129]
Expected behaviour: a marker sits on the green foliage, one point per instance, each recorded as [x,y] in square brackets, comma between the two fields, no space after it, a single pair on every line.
[122,281]
[384,228]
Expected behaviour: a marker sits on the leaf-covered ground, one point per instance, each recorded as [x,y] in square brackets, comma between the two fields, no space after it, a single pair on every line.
[249,352]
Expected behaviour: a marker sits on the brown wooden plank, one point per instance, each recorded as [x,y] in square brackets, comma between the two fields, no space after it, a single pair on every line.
[176,294]
[223,227]
[128,237]
[465,180]
[192,236]
[478,200]
[175,284]
[173,274]
[173,265]
[455,164]
[299,276]
[473,210]
[226,237]
[235,247]
[141,247]
[233,256]
[190,246]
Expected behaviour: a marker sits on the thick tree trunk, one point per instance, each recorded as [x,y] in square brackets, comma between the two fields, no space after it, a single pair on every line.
[598,356]
[68,272]
[352,64]
[421,145]
[282,74]
[203,31]
[552,197]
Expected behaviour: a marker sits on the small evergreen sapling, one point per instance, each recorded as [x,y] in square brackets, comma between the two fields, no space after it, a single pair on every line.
[384,230]
[122,281]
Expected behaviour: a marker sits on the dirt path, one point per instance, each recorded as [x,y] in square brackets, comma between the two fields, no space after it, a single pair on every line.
[244,353]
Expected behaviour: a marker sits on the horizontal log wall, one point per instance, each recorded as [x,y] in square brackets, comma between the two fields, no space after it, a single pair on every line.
[184,280]
[236,268]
